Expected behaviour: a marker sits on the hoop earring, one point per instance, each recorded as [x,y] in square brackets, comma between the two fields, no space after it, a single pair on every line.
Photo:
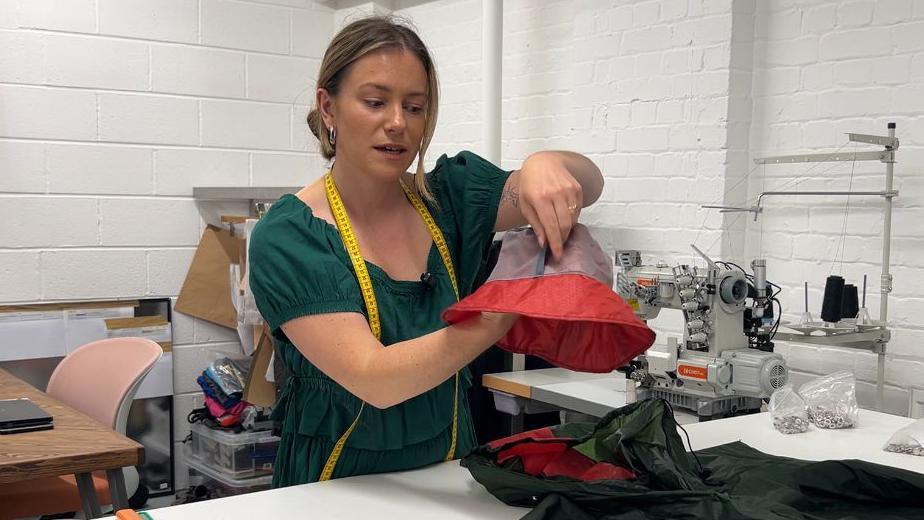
[332,136]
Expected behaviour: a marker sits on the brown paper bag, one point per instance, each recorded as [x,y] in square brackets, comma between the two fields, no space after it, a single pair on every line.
[258,390]
[206,292]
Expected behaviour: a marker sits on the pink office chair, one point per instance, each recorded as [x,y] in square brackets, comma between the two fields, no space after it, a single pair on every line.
[99,379]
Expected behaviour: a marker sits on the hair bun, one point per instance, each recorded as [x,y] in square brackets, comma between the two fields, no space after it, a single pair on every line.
[315,123]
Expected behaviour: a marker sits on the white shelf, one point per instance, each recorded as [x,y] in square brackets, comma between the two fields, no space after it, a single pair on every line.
[255,193]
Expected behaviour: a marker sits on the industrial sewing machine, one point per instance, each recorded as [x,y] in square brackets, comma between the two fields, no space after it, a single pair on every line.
[725,364]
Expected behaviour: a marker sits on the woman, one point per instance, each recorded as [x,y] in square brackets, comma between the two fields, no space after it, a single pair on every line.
[370,255]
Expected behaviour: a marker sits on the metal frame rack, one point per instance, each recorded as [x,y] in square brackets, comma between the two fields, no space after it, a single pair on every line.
[873,336]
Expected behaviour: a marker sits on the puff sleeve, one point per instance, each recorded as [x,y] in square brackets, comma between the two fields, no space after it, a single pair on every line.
[468,190]
[295,270]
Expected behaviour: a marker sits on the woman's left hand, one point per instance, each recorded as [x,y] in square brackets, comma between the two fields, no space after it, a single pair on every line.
[550,199]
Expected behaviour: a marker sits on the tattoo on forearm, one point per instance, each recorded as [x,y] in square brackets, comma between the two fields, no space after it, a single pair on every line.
[511,195]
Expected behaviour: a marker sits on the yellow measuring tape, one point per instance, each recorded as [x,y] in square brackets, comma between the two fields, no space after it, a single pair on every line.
[365,285]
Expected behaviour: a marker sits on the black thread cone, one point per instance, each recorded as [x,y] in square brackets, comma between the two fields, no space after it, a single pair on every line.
[850,304]
[834,297]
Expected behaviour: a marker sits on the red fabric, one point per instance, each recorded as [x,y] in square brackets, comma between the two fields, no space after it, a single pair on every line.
[607,471]
[217,410]
[534,455]
[540,433]
[571,463]
[225,416]
[545,455]
[570,320]
[576,465]
[555,458]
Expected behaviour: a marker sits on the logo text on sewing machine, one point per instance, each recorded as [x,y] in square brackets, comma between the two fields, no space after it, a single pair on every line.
[693,371]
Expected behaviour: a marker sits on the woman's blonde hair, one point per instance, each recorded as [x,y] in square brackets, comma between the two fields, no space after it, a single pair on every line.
[358,39]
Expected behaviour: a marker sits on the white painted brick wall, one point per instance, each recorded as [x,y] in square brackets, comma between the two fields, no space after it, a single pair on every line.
[34,221]
[848,67]
[79,16]
[116,64]
[23,167]
[278,169]
[43,113]
[302,138]
[99,169]
[207,332]
[10,12]
[178,170]
[141,118]
[239,124]
[164,279]
[174,222]
[311,32]
[240,25]
[182,69]
[656,92]
[20,275]
[22,60]
[111,111]
[161,20]
[284,79]
[93,274]
[184,325]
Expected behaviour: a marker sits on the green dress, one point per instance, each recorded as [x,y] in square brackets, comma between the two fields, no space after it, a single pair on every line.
[299,267]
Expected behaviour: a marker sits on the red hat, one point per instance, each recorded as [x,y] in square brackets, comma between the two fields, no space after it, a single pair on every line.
[569,314]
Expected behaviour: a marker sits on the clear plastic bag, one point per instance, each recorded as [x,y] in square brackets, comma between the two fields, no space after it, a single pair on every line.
[227,375]
[788,411]
[832,400]
[909,440]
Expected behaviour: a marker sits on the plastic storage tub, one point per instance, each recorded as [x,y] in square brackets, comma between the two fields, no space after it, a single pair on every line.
[221,484]
[238,455]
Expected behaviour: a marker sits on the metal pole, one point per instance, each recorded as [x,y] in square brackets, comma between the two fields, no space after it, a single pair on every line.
[876,193]
[757,209]
[885,283]
[492,44]
[806,297]
[886,193]
[492,47]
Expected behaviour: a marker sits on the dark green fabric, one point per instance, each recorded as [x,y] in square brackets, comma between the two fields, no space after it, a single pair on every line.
[736,481]
[298,267]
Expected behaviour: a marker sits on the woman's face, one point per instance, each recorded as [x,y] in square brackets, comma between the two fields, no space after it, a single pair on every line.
[379,113]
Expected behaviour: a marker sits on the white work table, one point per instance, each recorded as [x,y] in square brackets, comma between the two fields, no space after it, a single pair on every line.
[591,394]
[863,442]
[523,383]
[447,491]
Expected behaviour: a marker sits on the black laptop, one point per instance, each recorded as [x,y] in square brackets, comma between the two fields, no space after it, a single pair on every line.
[22,415]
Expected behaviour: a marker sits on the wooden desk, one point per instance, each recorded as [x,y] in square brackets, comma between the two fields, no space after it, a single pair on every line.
[77,444]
